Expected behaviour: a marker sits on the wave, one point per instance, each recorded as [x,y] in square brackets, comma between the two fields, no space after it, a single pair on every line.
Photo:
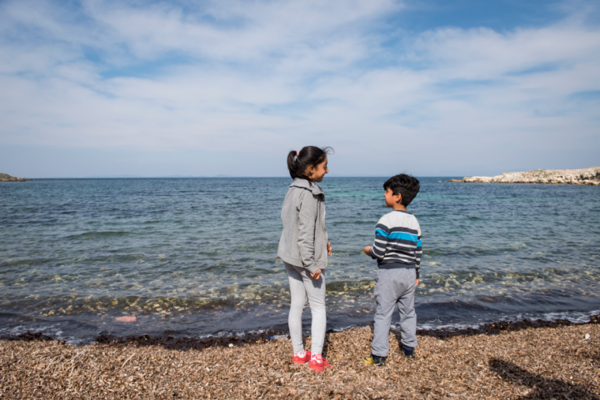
[102,234]
[186,341]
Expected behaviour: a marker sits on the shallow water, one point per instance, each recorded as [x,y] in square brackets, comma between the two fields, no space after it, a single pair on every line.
[197,256]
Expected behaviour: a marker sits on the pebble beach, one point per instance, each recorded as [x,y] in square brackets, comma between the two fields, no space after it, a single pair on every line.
[560,362]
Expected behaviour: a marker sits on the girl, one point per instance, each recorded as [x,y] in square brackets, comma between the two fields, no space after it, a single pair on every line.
[303,247]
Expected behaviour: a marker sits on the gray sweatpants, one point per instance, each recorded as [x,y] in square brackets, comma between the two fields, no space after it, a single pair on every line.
[301,286]
[394,288]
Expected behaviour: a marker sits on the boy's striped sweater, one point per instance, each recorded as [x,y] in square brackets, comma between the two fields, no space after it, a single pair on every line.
[398,241]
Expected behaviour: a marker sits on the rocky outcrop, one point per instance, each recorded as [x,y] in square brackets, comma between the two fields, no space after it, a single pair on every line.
[585,176]
[8,178]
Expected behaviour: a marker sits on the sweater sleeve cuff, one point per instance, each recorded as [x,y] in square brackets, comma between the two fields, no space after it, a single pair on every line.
[371,254]
[313,268]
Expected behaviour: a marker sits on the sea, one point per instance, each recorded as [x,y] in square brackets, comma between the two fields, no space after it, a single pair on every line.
[197,257]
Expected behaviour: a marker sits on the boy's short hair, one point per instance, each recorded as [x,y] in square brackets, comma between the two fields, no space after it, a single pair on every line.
[406,185]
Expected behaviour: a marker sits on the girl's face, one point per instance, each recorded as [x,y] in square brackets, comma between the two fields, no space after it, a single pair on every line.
[316,172]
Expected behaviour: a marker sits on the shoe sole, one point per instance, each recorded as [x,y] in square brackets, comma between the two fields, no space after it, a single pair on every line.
[320,369]
[370,362]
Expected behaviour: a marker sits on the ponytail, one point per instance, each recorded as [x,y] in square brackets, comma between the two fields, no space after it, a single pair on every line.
[299,161]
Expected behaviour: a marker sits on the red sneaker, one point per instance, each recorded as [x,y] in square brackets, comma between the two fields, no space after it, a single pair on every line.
[318,363]
[302,360]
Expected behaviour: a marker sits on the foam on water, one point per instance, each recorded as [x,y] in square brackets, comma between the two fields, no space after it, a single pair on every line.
[573,317]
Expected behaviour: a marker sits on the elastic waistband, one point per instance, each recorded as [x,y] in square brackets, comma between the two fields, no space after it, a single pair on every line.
[397,265]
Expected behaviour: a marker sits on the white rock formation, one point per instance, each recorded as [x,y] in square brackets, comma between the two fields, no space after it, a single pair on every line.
[585,176]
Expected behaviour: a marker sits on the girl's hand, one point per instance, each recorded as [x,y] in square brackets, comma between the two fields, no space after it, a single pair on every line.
[367,250]
[329,249]
[316,275]
[417,284]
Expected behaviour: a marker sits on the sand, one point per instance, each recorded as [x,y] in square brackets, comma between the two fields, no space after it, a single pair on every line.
[558,362]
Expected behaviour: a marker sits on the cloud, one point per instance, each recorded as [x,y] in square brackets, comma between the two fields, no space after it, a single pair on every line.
[264,77]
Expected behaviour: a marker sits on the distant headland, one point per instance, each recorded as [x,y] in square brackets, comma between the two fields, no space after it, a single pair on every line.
[8,178]
[584,176]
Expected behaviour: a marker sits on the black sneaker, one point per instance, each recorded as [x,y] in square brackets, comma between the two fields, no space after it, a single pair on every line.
[408,351]
[375,360]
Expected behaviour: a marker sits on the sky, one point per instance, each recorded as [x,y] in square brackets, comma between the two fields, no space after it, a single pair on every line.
[110,88]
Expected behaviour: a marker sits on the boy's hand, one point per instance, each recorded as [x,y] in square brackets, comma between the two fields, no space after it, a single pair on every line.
[316,275]
[417,284]
[329,249]
[367,250]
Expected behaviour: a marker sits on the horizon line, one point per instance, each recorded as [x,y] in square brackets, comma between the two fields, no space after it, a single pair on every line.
[228,177]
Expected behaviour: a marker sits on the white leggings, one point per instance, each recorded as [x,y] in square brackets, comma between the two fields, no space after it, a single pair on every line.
[301,285]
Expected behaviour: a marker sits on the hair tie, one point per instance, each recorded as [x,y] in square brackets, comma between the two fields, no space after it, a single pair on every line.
[297,154]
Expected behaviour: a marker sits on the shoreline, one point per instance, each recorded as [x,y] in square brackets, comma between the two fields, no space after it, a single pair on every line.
[8,178]
[585,176]
[257,336]
[545,362]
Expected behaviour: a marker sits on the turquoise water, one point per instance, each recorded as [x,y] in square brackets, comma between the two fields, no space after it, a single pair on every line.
[191,257]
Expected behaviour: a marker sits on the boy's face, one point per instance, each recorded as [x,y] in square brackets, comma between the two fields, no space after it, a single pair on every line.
[392,199]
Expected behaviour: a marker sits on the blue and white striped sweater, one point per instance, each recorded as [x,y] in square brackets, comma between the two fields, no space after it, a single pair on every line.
[398,241]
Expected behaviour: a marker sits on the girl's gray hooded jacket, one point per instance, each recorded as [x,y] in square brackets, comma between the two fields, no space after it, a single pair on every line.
[303,241]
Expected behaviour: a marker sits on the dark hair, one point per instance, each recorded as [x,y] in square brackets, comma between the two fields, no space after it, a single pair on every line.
[406,185]
[309,155]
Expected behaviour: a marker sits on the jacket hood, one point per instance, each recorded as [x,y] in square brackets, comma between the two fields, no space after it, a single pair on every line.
[306,184]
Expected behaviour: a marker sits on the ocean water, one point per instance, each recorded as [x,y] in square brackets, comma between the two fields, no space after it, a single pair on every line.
[193,257]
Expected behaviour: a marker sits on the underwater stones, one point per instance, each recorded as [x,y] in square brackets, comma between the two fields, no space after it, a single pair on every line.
[126,319]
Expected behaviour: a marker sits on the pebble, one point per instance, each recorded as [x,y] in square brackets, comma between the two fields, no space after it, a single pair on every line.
[126,319]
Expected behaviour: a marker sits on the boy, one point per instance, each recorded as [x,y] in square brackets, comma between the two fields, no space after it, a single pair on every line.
[397,249]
